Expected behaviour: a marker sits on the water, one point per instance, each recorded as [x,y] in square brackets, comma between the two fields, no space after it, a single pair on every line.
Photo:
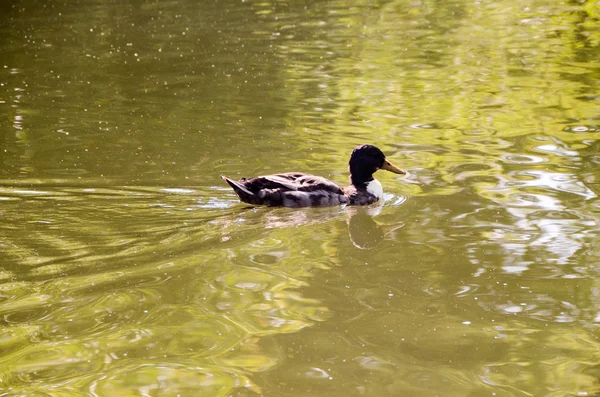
[128,268]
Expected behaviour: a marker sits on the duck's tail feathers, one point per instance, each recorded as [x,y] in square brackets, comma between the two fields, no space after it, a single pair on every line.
[244,194]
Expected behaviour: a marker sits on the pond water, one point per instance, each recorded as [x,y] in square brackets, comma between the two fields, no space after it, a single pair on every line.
[128,268]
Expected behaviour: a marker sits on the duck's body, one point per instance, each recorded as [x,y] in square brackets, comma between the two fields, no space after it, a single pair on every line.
[296,189]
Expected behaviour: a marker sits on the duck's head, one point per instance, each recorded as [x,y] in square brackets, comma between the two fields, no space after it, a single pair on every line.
[365,160]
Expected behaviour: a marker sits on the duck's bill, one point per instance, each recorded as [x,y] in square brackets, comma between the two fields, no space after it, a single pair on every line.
[392,168]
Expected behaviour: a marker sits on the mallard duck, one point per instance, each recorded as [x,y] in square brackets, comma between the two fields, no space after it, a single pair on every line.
[296,189]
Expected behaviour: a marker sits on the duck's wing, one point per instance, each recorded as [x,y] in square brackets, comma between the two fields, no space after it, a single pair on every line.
[292,189]
[308,191]
[283,182]
[313,183]
[291,181]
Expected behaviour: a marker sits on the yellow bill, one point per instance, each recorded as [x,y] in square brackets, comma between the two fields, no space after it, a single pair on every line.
[392,168]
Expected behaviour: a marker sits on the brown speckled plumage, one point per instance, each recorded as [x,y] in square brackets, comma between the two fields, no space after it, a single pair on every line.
[296,189]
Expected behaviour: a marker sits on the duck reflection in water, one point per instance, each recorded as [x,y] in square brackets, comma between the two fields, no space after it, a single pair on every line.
[365,233]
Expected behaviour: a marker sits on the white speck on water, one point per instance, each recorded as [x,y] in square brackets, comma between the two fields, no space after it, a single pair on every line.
[177,190]
[34,192]
[514,269]
[513,309]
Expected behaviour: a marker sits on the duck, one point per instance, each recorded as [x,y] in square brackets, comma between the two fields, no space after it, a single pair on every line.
[297,189]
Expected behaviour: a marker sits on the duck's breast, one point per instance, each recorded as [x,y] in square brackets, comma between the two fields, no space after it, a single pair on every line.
[374,187]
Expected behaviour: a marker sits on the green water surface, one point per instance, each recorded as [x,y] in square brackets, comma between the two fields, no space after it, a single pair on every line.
[128,268]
